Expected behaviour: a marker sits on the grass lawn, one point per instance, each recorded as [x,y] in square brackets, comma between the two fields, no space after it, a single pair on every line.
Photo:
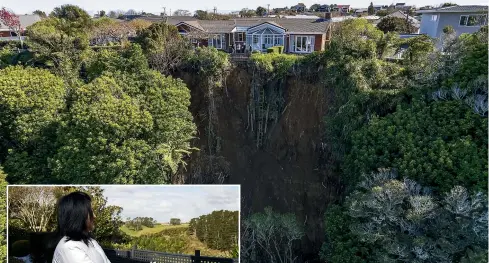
[149,230]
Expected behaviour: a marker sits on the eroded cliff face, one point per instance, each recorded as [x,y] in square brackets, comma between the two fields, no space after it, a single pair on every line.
[289,170]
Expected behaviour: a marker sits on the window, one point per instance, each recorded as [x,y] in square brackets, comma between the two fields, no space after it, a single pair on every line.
[255,39]
[473,20]
[268,40]
[240,37]
[303,44]
[277,41]
[434,17]
[216,41]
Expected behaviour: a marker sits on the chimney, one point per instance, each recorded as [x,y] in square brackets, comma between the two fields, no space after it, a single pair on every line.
[327,15]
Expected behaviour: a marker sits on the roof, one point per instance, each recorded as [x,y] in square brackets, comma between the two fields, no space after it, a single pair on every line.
[25,21]
[400,14]
[303,25]
[457,9]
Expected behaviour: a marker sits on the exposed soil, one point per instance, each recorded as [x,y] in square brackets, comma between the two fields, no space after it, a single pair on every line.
[287,173]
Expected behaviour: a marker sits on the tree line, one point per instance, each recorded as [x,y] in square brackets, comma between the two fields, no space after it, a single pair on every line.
[218,230]
[137,223]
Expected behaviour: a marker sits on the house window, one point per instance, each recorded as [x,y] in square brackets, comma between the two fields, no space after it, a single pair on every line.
[473,20]
[303,44]
[434,17]
[268,40]
[240,37]
[255,39]
[277,41]
[216,41]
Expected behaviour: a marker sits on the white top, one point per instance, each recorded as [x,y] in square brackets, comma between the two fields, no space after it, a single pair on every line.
[77,252]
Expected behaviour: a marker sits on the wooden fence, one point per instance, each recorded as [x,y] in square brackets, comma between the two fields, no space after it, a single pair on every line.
[145,256]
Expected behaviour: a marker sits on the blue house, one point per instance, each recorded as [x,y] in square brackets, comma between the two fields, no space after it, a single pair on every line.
[463,19]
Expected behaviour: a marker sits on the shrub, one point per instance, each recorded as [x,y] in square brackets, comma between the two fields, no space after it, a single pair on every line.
[441,144]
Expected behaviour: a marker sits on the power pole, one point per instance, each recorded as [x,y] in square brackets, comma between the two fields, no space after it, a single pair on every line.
[215,10]
[164,11]
[268,12]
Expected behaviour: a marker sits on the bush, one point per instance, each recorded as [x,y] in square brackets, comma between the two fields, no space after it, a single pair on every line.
[441,144]
[20,248]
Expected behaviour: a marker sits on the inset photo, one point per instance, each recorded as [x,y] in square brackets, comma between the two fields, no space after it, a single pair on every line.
[123,223]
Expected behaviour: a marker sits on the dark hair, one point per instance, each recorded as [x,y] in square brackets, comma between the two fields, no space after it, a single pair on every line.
[74,210]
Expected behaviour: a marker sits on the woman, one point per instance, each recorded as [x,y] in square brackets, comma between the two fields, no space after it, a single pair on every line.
[75,224]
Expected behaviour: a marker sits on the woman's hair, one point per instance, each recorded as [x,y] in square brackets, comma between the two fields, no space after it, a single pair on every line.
[74,211]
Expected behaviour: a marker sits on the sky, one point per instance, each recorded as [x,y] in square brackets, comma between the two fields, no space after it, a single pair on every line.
[172,201]
[156,7]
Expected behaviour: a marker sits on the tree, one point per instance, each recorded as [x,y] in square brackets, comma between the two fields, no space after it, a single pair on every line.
[395,24]
[246,12]
[59,45]
[138,132]
[447,5]
[131,12]
[30,104]
[40,13]
[181,12]
[202,15]
[113,14]
[382,13]
[270,237]
[371,9]
[314,7]
[407,223]
[175,221]
[33,206]
[154,38]
[73,18]
[101,13]
[3,216]
[449,133]
[11,20]
[260,11]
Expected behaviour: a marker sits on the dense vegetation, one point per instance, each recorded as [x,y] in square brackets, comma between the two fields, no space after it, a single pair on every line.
[103,117]
[407,139]
[429,129]
[218,230]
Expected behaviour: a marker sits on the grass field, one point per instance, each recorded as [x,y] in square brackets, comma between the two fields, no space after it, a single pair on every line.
[149,230]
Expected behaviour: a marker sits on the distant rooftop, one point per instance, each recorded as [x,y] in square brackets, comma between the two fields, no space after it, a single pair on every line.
[457,9]
[25,21]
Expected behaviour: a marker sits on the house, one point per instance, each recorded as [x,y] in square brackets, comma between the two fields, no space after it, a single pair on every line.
[380,7]
[299,8]
[25,21]
[344,8]
[463,19]
[300,36]
[361,11]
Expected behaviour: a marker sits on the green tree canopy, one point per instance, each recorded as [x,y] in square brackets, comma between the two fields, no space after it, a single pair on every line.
[371,9]
[260,11]
[395,24]
[31,101]
[3,216]
[154,38]
[73,17]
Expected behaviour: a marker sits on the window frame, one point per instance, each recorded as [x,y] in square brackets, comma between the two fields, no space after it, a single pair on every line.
[256,39]
[435,18]
[219,38]
[467,17]
[309,48]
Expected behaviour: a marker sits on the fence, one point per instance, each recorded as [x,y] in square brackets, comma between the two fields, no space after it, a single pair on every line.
[145,256]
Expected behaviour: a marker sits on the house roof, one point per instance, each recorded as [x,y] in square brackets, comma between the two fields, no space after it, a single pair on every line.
[415,22]
[318,26]
[25,21]
[457,9]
